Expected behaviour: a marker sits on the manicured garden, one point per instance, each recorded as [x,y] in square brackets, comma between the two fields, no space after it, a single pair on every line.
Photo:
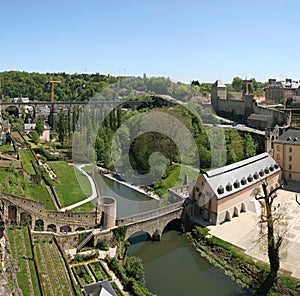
[99,271]
[23,260]
[52,268]
[82,274]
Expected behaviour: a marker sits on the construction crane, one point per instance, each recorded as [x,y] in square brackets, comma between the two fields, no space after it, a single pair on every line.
[52,87]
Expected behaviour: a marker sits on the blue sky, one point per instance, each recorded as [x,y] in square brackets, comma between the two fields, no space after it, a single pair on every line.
[184,40]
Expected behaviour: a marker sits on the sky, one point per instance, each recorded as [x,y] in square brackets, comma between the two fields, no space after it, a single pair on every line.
[185,40]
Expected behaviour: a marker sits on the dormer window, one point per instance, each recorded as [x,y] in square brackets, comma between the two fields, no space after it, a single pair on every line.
[236,184]
[256,175]
[267,171]
[261,173]
[220,189]
[244,181]
[228,187]
[271,168]
[250,178]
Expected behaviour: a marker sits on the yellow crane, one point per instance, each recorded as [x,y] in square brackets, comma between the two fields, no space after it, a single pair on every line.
[52,87]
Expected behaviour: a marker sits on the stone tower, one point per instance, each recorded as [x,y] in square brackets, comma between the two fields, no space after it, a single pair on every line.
[218,92]
[106,212]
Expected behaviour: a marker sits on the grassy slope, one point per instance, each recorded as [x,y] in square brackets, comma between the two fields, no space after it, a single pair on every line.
[175,178]
[68,188]
[13,182]
[26,158]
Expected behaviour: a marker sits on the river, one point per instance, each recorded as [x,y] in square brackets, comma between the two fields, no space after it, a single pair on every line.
[129,201]
[172,265]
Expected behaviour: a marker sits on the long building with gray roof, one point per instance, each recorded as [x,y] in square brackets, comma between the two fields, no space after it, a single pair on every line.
[223,193]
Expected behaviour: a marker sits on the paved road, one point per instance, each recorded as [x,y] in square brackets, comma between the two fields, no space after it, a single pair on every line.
[93,195]
[240,127]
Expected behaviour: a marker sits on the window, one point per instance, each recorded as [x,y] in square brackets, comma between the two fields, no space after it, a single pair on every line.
[278,148]
[290,158]
[197,189]
[290,166]
[290,149]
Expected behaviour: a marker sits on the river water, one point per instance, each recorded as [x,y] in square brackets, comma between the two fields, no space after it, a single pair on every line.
[174,268]
[172,265]
[129,201]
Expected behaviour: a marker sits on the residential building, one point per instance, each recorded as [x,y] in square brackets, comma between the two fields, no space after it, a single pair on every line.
[223,193]
[286,151]
[278,91]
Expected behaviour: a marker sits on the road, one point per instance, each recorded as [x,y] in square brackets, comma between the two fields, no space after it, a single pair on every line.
[240,127]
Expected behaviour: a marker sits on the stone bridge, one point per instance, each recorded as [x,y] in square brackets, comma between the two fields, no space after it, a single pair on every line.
[54,108]
[152,222]
[16,209]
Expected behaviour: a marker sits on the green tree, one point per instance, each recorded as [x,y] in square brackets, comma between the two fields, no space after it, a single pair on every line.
[237,84]
[40,125]
[35,137]
[249,146]
[134,268]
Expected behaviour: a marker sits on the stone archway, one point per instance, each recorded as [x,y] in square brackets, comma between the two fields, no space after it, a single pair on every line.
[39,225]
[52,228]
[139,236]
[243,208]
[227,216]
[174,224]
[236,212]
[12,213]
[65,229]
[25,219]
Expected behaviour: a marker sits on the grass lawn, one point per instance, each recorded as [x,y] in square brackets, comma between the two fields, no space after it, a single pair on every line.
[175,178]
[40,193]
[87,207]
[26,158]
[68,189]
[7,148]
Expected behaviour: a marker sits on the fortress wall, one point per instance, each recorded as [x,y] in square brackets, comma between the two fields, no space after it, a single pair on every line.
[235,106]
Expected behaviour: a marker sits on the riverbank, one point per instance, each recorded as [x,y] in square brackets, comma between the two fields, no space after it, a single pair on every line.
[242,268]
[132,186]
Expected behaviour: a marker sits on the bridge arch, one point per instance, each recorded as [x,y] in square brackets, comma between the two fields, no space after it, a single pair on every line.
[138,237]
[154,225]
[174,224]
[12,110]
